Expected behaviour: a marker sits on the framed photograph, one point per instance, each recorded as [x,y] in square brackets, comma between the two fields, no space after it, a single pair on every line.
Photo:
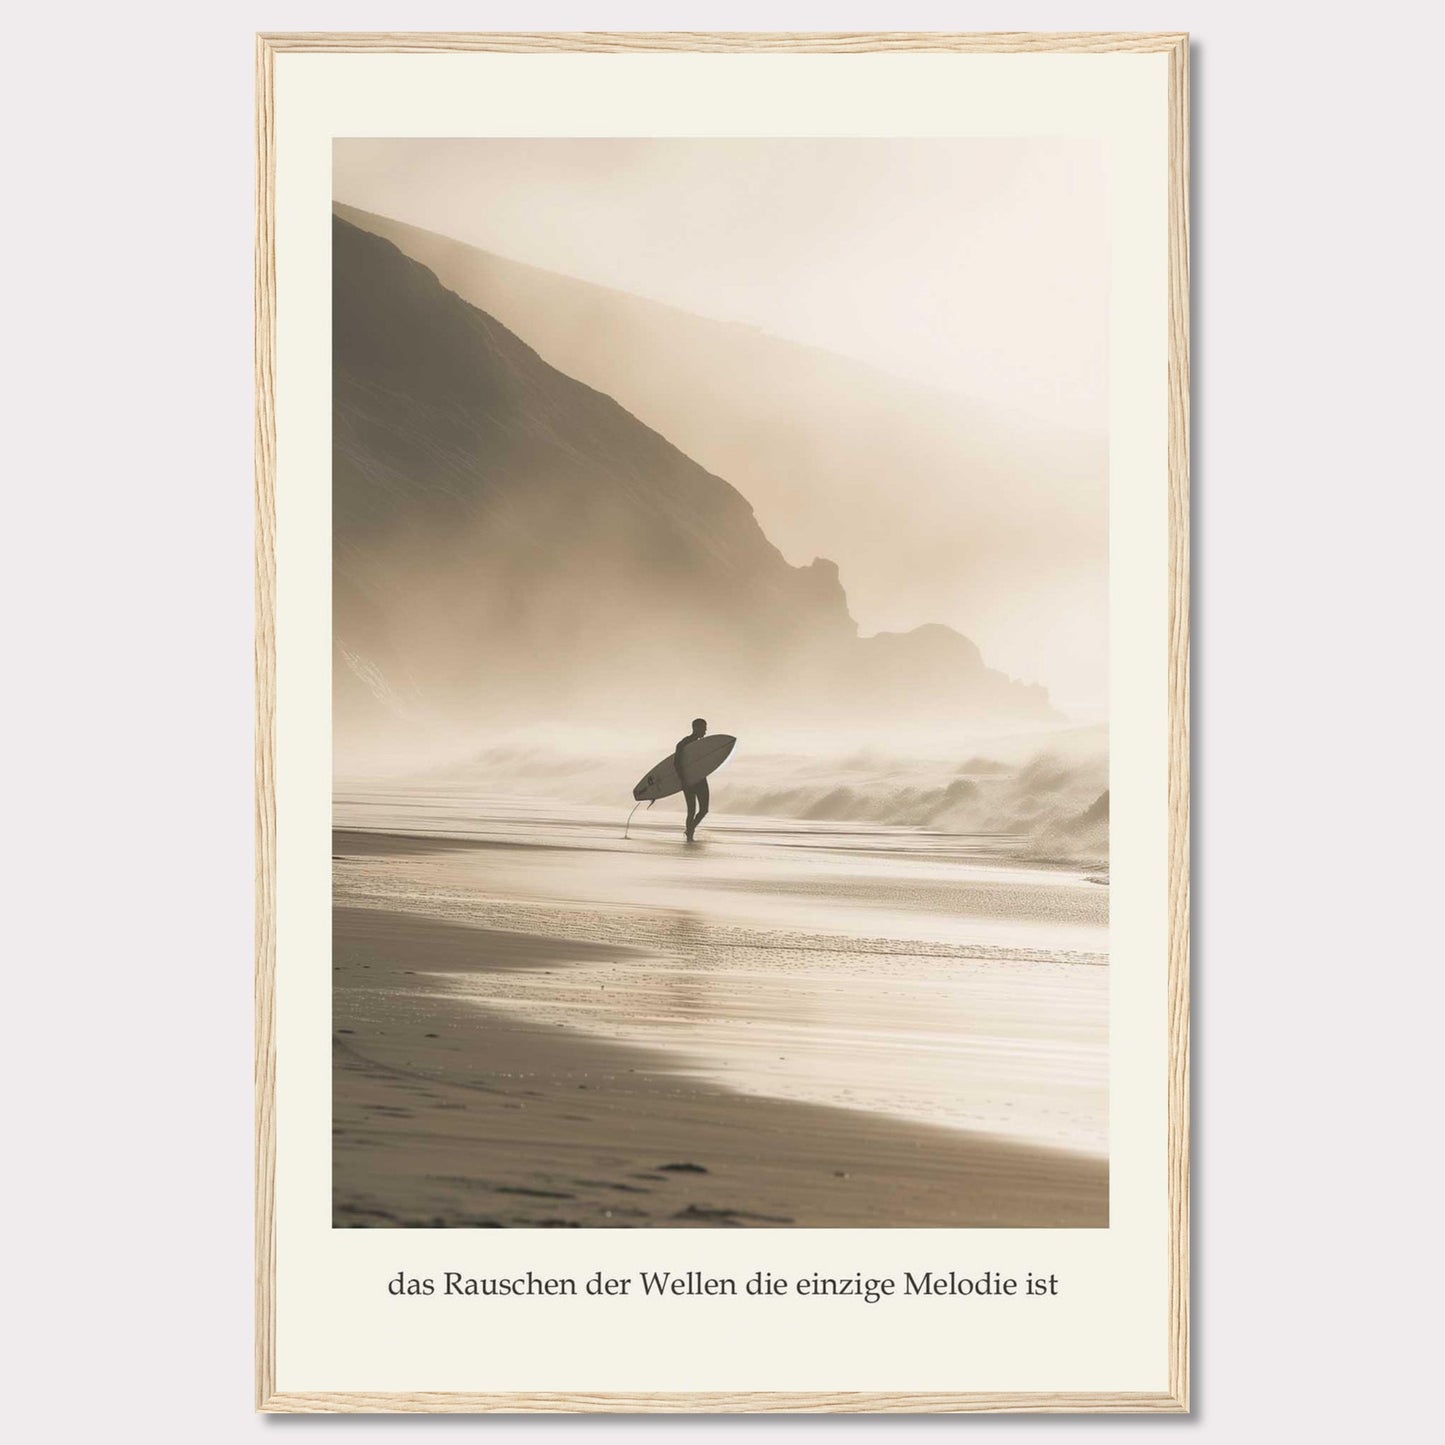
[723,843]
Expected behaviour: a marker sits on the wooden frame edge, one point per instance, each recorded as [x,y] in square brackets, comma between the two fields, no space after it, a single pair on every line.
[1175,1400]
[1178,976]
[725,1403]
[265,664]
[836,41]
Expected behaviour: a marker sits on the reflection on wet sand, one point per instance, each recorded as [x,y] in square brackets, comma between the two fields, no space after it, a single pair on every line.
[895,1030]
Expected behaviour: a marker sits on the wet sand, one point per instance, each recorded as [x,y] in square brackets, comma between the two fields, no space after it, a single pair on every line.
[539,1024]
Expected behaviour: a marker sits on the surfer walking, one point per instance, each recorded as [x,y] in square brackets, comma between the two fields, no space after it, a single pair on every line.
[695,793]
[684,771]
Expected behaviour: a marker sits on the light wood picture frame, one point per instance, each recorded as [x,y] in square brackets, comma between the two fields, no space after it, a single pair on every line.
[1175,1325]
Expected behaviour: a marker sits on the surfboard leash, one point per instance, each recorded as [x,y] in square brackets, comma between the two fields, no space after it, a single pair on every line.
[635,807]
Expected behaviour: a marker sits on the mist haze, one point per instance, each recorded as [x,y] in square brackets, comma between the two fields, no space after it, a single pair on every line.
[513,547]
[896,351]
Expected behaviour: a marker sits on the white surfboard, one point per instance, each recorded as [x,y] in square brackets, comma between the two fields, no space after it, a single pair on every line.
[699,758]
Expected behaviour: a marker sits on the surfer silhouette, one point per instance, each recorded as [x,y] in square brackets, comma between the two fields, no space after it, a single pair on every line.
[705,754]
[695,793]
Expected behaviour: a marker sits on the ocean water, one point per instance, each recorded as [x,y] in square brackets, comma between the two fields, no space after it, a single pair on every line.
[926,976]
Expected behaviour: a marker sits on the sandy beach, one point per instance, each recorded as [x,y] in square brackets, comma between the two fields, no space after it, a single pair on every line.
[540,1023]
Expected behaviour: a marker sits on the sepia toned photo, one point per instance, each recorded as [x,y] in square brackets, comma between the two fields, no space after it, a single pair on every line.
[720,683]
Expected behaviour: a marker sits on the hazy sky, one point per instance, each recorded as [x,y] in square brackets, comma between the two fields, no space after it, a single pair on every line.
[976,265]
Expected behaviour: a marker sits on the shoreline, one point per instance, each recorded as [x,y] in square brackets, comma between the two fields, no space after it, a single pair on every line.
[451,1113]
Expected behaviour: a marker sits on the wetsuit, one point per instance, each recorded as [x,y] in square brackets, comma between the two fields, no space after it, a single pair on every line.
[694,793]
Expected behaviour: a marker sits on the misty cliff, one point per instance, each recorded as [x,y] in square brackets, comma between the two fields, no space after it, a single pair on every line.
[1004,534]
[512,545]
